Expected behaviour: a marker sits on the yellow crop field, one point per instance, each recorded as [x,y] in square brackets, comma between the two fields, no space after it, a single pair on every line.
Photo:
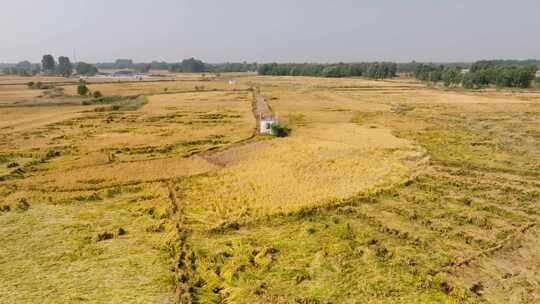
[17,93]
[84,189]
[161,191]
[158,87]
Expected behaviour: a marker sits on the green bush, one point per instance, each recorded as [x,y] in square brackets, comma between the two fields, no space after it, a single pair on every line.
[279,130]
[97,94]
[23,204]
[468,82]
[82,89]
[103,100]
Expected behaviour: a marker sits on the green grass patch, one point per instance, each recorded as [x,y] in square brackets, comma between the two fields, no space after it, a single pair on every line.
[104,100]
[130,104]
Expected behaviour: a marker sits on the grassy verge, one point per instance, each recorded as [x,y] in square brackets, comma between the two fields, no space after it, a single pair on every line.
[130,104]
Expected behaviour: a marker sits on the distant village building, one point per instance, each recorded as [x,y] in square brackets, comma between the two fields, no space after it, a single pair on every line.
[232,82]
[538,73]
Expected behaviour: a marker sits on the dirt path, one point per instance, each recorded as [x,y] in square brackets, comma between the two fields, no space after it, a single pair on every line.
[232,153]
[261,108]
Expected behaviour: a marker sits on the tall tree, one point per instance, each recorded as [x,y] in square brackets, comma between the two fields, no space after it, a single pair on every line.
[65,68]
[142,67]
[190,65]
[87,69]
[25,65]
[123,64]
[48,64]
[451,77]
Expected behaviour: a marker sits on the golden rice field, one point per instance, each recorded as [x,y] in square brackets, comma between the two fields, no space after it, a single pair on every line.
[157,87]
[384,192]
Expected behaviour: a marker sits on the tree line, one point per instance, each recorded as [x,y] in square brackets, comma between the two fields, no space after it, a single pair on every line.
[23,68]
[501,73]
[410,67]
[450,76]
[50,66]
[481,74]
[190,65]
[122,64]
[193,65]
[63,67]
[375,70]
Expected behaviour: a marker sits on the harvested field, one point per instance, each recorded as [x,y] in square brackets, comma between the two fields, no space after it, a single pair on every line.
[284,175]
[384,192]
[84,195]
[147,87]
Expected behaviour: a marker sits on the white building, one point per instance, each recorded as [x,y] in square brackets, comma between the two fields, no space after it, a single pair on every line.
[266,123]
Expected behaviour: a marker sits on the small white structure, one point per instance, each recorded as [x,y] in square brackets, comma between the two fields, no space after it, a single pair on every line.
[232,82]
[266,123]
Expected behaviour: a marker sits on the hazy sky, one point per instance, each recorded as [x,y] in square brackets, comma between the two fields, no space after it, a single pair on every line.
[270,30]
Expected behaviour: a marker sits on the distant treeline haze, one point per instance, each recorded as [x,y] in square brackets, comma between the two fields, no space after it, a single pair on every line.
[501,73]
[190,65]
[50,66]
[63,67]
